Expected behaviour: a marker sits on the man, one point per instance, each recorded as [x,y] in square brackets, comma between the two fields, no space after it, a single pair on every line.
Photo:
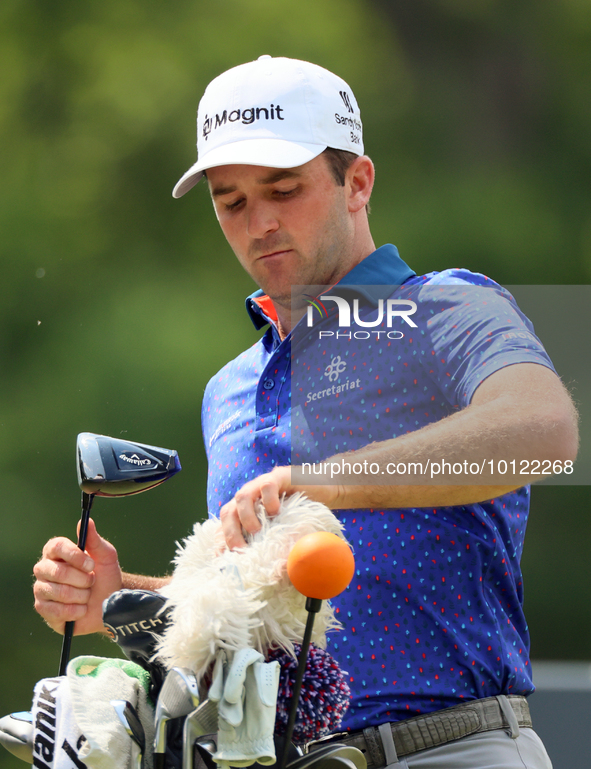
[433,619]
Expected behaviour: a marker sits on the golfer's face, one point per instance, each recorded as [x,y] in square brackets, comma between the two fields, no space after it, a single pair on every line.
[286,226]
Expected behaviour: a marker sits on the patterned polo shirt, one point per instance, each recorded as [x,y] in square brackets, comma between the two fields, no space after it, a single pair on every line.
[434,614]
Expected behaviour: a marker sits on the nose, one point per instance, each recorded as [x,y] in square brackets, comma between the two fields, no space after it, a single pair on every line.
[261,220]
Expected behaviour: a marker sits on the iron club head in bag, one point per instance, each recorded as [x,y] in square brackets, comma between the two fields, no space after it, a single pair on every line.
[112,467]
[133,726]
[178,697]
[202,721]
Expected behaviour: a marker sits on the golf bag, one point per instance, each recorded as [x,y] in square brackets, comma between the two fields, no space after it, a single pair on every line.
[219,646]
[186,731]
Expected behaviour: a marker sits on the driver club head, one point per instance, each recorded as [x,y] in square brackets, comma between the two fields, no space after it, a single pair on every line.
[112,467]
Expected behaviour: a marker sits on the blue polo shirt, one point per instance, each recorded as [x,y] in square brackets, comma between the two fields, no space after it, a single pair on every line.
[434,615]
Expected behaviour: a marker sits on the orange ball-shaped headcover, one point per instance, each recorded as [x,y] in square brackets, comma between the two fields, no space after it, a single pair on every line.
[320,565]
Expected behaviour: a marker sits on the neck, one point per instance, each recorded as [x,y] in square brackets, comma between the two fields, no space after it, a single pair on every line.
[288,316]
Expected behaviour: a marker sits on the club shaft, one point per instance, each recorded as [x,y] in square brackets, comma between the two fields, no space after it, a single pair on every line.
[87,500]
[313,606]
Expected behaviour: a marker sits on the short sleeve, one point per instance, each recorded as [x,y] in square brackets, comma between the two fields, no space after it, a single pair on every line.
[474,328]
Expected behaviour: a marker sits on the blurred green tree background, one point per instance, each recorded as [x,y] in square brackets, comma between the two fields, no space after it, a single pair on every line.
[118,303]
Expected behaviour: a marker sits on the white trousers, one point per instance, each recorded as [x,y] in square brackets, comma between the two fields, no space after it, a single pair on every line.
[488,750]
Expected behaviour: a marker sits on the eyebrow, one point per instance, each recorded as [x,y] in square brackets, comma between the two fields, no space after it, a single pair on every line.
[277,176]
[272,178]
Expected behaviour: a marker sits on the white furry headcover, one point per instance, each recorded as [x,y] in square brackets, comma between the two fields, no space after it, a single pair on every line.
[243,597]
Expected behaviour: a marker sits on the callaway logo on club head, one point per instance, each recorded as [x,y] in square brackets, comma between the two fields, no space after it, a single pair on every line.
[136,459]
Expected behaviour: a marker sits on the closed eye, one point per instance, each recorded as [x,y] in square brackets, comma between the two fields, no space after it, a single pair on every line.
[277,194]
[233,206]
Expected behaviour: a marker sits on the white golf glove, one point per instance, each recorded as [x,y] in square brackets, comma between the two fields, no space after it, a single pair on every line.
[245,688]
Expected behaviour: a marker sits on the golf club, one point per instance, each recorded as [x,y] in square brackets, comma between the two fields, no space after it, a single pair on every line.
[203,720]
[178,697]
[331,757]
[320,565]
[111,467]
[16,735]
[133,726]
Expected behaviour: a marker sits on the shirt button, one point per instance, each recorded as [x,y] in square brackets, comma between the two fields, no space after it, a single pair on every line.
[269,384]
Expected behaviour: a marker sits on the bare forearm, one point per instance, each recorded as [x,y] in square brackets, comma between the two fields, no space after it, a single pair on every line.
[390,497]
[478,453]
[520,412]
[141,582]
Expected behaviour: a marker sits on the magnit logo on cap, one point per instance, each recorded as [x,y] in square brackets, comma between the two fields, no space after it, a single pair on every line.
[246,116]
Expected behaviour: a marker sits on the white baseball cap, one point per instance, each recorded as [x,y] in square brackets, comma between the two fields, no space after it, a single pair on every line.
[274,112]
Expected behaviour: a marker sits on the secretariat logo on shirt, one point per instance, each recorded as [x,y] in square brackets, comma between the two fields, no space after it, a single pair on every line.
[335,368]
[387,311]
[332,372]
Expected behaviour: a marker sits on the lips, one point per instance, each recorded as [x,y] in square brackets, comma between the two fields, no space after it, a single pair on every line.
[275,253]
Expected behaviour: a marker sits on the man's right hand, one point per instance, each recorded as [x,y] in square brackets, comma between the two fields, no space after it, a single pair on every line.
[72,585]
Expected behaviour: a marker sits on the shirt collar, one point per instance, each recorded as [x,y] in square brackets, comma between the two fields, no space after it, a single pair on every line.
[373,278]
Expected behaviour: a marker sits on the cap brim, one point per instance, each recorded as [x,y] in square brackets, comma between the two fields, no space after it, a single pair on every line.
[271,153]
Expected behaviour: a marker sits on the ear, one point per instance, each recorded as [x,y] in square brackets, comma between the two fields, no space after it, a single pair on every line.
[359,183]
